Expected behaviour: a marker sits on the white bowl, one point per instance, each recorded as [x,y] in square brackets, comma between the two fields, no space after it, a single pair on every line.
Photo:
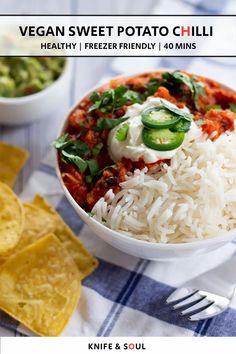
[139,248]
[28,109]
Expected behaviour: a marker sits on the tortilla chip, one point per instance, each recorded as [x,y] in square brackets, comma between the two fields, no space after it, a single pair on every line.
[11,219]
[41,219]
[84,260]
[40,286]
[38,223]
[12,159]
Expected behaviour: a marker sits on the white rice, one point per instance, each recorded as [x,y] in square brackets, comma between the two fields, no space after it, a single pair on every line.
[194,198]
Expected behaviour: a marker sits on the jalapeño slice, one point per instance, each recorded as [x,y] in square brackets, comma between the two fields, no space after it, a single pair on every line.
[159,118]
[181,126]
[162,139]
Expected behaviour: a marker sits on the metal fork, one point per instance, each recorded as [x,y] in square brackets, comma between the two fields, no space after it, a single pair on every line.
[207,295]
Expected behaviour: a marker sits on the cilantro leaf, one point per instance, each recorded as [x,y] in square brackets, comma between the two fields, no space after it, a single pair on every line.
[232,107]
[96,150]
[122,132]
[112,100]
[95,106]
[82,148]
[173,80]
[153,85]
[78,148]
[213,106]
[179,112]
[93,167]
[133,96]
[109,123]
[62,142]
[78,161]
[198,90]
[95,96]
[103,101]
[119,98]
[179,77]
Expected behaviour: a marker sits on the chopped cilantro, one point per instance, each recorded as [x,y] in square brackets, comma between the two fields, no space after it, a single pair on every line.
[122,132]
[75,152]
[62,142]
[213,106]
[76,147]
[93,167]
[153,85]
[112,100]
[133,96]
[232,106]
[198,90]
[78,161]
[95,106]
[95,96]
[81,148]
[109,123]
[96,150]
[175,79]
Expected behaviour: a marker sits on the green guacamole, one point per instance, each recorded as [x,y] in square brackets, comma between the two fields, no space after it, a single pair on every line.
[25,76]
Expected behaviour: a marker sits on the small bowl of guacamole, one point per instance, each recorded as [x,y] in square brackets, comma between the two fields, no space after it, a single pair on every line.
[30,87]
[23,76]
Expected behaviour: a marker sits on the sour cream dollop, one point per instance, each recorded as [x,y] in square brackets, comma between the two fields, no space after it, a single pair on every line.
[133,147]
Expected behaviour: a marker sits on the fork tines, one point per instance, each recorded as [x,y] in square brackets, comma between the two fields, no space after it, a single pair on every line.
[195,304]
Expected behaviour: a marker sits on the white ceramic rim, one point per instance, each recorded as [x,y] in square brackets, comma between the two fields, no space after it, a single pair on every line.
[158,246]
[24,99]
